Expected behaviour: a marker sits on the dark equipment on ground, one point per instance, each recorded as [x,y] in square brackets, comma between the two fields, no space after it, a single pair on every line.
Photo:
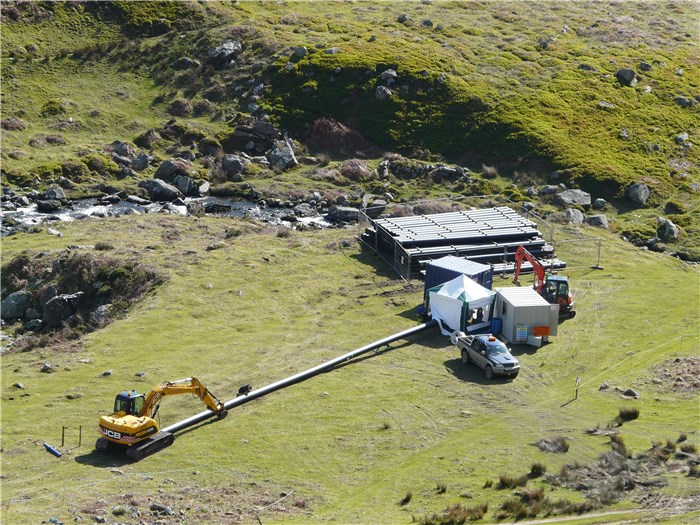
[554,288]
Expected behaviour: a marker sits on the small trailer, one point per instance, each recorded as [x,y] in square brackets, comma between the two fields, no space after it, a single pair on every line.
[525,316]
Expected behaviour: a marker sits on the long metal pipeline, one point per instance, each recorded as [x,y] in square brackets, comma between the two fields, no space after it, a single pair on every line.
[296,378]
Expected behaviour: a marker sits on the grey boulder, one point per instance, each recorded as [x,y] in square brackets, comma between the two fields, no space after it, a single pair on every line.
[382,93]
[100,315]
[223,55]
[48,206]
[304,210]
[388,73]
[639,193]
[282,155]
[186,185]
[14,305]
[60,308]
[376,208]
[343,214]
[171,168]
[599,221]
[666,229]
[141,161]
[122,148]
[234,163]
[55,193]
[571,197]
[159,190]
[599,204]
[570,215]
[626,76]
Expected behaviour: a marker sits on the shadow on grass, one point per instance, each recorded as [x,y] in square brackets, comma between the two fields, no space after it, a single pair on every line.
[432,339]
[472,373]
[411,313]
[517,350]
[369,258]
[114,457]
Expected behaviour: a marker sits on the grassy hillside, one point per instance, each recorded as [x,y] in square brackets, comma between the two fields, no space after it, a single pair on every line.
[401,435]
[347,446]
[528,89]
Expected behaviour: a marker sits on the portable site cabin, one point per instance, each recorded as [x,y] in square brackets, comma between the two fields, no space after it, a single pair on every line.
[461,304]
[526,317]
[446,268]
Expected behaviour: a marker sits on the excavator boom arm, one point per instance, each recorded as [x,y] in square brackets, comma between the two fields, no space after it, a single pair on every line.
[190,385]
[520,254]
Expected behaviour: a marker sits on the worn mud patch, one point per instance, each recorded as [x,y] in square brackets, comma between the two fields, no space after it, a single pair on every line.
[241,502]
[680,375]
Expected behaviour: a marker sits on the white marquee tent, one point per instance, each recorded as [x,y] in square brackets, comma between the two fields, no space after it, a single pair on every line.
[461,304]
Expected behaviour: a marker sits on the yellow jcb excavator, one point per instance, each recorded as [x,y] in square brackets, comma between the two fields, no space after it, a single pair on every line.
[133,422]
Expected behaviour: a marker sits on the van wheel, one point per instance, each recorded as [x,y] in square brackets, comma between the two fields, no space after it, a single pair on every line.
[488,372]
[465,357]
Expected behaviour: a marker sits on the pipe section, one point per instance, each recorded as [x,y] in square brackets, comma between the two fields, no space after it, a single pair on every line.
[296,378]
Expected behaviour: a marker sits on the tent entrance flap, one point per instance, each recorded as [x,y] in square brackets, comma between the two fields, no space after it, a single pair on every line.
[461,304]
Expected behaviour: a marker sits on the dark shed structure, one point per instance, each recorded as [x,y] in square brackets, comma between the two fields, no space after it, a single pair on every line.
[489,236]
[447,268]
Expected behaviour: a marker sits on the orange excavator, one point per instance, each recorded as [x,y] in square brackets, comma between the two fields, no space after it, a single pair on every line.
[554,288]
[133,422]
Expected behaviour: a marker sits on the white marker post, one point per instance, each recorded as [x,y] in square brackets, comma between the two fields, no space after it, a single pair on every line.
[578,383]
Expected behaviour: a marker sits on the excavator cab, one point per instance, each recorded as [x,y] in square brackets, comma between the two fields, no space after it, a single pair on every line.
[556,291]
[129,402]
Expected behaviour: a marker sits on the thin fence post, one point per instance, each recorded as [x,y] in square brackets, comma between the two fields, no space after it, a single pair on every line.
[63,435]
[597,264]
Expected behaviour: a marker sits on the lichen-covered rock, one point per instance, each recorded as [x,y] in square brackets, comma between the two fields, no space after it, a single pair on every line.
[234,163]
[626,76]
[571,197]
[171,168]
[569,215]
[55,193]
[599,221]
[223,56]
[343,214]
[666,229]
[100,315]
[14,305]
[48,206]
[639,193]
[60,308]
[382,93]
[282,155]
[160,191]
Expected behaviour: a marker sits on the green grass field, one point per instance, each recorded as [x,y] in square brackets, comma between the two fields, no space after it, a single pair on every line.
[346,446]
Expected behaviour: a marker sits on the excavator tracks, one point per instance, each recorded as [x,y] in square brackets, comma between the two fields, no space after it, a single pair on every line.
[149,446]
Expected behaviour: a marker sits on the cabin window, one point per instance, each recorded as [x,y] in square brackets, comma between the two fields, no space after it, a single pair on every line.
[138,405]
